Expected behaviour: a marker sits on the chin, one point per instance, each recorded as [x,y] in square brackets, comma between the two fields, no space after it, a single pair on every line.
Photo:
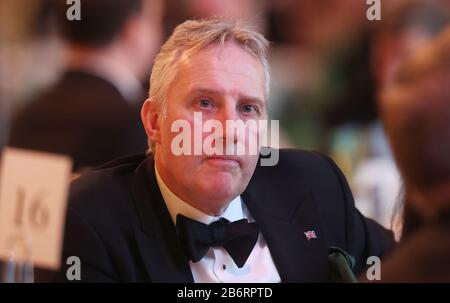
[219,190]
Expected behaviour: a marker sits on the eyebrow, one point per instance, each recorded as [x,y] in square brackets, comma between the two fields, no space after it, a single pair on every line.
[209,91]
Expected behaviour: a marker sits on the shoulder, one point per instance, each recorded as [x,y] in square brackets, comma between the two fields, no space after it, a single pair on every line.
[103,195]
[303,167]
[85,91]
[310,160]
[300,174]
[305,176]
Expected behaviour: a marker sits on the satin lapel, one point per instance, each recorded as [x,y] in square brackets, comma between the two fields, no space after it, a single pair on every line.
[296,258]
[157,240]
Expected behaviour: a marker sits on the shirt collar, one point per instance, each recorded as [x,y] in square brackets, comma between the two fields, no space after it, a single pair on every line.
[175,205]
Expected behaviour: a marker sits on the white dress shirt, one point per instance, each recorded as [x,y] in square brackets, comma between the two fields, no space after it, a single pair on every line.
[217,265]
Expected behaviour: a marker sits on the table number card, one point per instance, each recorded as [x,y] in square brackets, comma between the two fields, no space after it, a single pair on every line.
[33,198]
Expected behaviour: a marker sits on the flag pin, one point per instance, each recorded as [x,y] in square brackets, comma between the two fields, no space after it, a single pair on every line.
[310,234]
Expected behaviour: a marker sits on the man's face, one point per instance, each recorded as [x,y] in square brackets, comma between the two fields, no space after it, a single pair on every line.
[222,83]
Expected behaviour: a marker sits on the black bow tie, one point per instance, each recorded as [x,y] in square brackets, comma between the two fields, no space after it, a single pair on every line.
[238,238]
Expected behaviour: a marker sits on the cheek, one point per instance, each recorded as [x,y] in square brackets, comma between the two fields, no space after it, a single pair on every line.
[250,164]
[172,120]
[251,140]
[169,137]
[166,135]
[252,135]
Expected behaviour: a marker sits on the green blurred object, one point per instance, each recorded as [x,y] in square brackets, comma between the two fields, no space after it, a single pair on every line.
[341,264]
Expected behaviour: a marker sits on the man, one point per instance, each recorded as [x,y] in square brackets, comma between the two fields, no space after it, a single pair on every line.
[416,114]
[92,112]
[213,217]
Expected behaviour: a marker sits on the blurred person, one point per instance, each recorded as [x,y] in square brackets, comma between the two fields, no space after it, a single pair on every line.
[180,10]
[321,26]
[309,38]
[359,143]
[232,8]
[371,63]
[164,217]
[92,112]
[410,25]
[416,115]
[29,55]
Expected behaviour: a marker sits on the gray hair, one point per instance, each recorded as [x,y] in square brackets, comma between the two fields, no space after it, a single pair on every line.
[194,35]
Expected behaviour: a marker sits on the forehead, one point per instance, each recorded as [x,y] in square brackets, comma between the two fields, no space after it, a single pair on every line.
[227,67]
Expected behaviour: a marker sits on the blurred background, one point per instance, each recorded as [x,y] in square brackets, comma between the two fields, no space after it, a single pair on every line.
[327,64]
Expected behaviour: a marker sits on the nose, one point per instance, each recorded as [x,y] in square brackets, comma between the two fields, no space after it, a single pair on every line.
[228,112]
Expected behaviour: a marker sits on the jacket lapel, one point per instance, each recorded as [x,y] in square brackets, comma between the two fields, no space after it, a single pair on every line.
[156,238]
[283,220]
[296,258]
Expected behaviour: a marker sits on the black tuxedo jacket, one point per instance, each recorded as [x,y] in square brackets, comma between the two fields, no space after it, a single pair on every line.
[119,227]
[83,116]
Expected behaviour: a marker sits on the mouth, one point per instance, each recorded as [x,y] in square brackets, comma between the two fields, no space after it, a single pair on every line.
[223,161]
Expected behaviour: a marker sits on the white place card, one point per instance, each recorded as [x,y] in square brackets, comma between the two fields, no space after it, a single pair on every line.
[33,198]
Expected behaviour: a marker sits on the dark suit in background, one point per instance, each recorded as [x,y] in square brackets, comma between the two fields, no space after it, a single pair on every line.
[83,116]
[120,228]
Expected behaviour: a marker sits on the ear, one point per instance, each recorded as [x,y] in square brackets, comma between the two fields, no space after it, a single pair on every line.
[150,119]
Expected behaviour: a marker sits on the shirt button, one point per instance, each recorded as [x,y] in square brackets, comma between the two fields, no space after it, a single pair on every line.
[224,267]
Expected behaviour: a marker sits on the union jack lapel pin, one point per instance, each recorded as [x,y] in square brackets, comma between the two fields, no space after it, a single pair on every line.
[310,234]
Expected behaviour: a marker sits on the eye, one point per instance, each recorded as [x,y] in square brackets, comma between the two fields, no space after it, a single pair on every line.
[205,103]
[247,108]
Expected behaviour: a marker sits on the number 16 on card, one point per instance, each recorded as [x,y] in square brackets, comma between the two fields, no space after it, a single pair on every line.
[33,198]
